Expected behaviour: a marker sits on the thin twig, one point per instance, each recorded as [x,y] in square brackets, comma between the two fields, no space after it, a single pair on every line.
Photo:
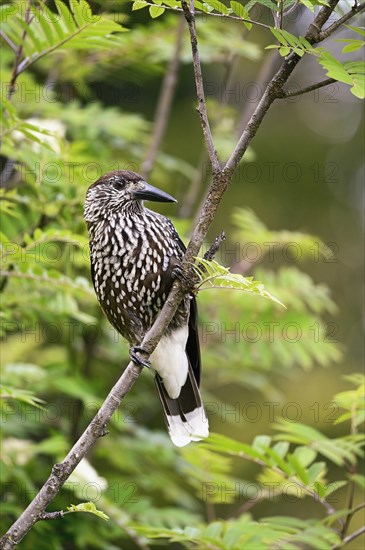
[8,41]
[291,9]
[202,109]
[210,14]
[246,506]
[196,185]
[52,515]
[349,506]
[18,54]
[214,247]
[351,537]
[358,508]
[337,24]
[28,61]
[164,104]
[285,95]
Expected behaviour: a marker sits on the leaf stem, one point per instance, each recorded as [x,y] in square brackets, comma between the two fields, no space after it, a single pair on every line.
[210,14]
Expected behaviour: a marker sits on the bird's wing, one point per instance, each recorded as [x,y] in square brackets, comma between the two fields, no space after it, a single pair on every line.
[185,416]
[192,345]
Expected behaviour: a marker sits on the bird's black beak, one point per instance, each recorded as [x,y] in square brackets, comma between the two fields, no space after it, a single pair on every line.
[150,193]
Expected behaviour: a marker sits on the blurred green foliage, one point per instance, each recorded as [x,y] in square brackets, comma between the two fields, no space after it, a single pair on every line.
[60,357]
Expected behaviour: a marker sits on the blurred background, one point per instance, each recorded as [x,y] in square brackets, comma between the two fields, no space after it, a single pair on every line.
[292,218]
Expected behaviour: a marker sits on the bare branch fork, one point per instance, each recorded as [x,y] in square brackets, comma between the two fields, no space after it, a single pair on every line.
[222,175]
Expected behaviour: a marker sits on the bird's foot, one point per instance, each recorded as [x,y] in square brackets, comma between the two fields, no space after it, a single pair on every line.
[178,273]
[134,355]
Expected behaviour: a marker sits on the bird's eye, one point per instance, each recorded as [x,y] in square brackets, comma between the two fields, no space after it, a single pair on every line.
[119,185]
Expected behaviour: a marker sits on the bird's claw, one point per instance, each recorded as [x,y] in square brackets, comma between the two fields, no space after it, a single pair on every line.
[178,273]
[133,354]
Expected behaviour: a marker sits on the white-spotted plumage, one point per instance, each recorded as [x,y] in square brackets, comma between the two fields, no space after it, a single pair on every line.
[134,252]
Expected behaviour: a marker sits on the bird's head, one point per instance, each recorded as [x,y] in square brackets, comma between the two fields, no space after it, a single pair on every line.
[118,190]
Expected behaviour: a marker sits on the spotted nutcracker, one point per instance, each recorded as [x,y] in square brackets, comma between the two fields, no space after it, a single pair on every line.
[135,254]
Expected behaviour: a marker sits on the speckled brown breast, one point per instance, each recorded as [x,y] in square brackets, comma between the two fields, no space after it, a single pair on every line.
[132,259]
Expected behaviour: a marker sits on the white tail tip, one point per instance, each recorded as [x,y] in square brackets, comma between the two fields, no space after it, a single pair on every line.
[194,429]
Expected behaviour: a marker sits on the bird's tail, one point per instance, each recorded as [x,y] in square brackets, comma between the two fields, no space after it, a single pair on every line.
[185,416]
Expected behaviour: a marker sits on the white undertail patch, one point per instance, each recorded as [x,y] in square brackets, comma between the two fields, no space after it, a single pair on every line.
[170,361]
